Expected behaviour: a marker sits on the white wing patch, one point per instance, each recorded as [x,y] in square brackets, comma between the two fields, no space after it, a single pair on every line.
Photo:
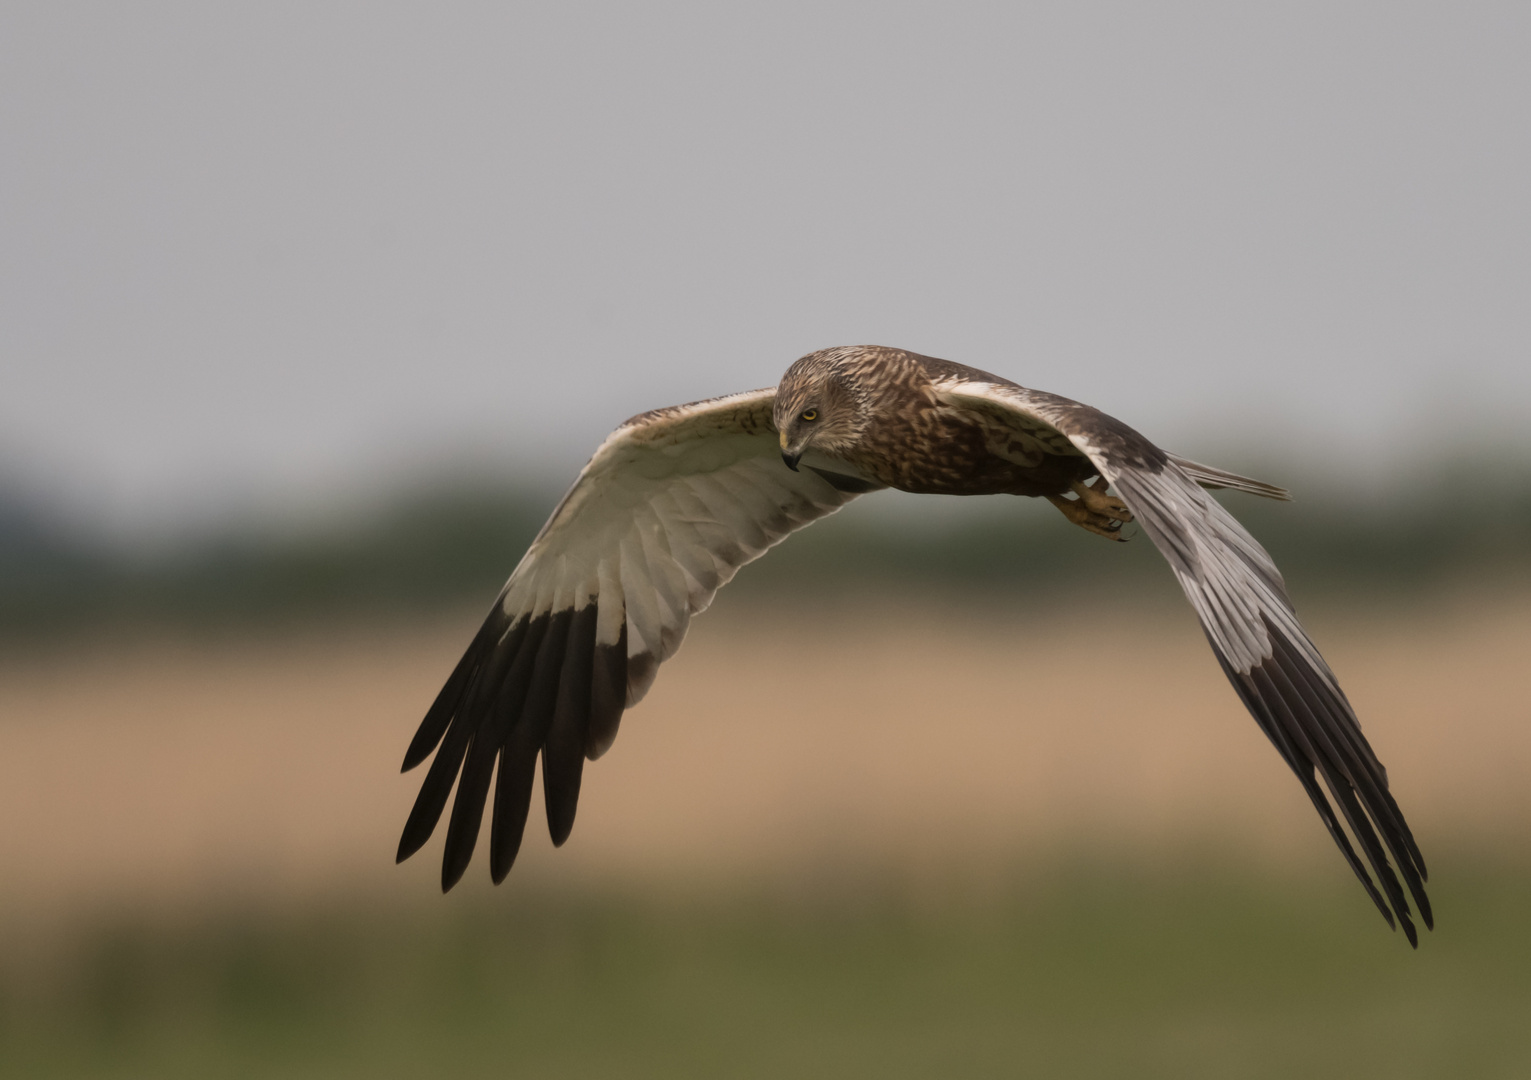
[668,509]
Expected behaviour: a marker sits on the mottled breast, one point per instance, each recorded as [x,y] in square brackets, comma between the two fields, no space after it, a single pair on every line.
[934,449]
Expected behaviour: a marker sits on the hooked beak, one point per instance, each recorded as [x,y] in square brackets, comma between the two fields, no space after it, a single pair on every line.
[787,455]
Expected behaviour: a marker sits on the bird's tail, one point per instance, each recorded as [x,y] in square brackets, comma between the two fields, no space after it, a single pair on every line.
[1208,477]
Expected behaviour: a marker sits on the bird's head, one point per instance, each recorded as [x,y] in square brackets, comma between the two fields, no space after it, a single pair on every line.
[821,405]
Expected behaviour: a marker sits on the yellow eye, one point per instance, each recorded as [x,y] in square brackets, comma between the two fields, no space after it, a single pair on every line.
[809,414]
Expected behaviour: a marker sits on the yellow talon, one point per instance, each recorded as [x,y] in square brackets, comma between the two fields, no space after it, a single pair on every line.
[1093,510]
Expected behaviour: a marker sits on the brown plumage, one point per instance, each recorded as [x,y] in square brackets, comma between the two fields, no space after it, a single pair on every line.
[677,499]
[900,433]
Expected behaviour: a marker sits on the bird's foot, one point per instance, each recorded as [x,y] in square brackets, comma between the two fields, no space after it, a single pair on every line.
[1094,510]
[1094,496]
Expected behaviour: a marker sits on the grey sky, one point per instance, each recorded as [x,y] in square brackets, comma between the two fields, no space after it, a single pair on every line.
[268,251]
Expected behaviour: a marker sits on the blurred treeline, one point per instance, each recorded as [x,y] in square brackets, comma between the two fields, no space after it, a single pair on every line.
[453,544]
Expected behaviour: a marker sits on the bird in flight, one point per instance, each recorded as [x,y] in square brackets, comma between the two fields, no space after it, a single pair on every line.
[676,500]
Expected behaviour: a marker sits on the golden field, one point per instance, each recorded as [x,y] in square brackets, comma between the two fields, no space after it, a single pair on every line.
[919,739]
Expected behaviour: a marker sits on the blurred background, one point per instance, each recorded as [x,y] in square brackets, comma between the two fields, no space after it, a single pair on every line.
[310,312]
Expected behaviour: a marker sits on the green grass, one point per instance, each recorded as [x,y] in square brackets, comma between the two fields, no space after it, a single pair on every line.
[1200,972]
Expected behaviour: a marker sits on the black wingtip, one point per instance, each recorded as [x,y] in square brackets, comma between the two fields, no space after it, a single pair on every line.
[458,686]
[512,803]
[455,859]
[1387,912]
[413,758]
[1306,719]
[608,695]
[407,847]
[503,848]
[421,823]
[563,752]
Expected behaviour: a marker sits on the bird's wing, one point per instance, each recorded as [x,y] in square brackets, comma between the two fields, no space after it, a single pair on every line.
[1242,603]
[664,514]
